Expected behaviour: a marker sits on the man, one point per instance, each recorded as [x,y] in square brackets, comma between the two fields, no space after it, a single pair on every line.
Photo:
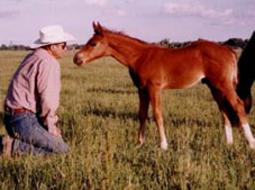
[33,98]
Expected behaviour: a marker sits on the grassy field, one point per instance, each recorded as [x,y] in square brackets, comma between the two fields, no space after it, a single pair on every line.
[98,116]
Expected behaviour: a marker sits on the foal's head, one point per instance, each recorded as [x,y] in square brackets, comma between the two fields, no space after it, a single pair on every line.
[97,46]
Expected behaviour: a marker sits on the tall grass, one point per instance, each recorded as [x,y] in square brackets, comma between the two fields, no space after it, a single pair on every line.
[98,116]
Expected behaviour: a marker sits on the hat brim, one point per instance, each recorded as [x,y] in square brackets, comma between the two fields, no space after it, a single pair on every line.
[68,38]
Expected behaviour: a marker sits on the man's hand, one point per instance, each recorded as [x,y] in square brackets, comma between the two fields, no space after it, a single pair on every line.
[55,131]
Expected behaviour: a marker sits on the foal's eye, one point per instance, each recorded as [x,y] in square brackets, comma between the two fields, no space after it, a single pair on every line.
[93,44]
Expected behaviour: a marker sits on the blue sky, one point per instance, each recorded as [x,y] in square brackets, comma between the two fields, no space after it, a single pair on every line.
[149,20]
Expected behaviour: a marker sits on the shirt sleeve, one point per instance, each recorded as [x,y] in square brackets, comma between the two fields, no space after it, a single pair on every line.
[48,86]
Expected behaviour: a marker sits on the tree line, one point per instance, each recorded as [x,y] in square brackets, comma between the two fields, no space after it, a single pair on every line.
[232,42]
[24,47]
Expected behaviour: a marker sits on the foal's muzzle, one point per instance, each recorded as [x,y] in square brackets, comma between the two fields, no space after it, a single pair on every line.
[78,60]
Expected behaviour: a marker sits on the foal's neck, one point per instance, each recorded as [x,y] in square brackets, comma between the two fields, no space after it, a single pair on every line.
[127,50]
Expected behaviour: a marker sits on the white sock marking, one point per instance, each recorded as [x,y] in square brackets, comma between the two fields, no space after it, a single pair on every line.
[164,145]
[248,135]
[229,134]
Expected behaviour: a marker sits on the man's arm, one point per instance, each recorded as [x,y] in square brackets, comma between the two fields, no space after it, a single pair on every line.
[48,85]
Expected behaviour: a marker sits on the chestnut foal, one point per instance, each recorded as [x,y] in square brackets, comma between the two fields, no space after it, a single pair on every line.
[153,68]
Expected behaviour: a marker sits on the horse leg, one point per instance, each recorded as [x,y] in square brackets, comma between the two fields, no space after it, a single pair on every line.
[155,99]
[247,99]
[143,113]
[238,106]
[248,103]
[228,129]
[224,111]
[244,92]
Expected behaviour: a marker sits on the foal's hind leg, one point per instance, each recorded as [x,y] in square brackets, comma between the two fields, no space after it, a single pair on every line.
[225,116]
[143,113]
[155,99]
[238,107]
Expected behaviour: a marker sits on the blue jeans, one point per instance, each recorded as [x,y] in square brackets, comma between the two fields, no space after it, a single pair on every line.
[31,137]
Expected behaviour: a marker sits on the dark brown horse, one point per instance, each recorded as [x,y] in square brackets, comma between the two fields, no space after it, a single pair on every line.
[153,68]
[246,67]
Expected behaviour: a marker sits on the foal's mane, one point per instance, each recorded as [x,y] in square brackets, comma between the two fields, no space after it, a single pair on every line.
[122,34]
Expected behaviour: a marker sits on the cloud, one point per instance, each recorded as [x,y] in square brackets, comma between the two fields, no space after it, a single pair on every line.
[196,10]
[100,3]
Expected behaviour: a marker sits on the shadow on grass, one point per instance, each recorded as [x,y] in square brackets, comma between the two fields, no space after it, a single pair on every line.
[112,91]
[178,120]
[107,113]
[173,120]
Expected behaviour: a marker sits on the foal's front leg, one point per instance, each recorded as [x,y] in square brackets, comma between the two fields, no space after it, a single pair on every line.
[155,98]
[143,113]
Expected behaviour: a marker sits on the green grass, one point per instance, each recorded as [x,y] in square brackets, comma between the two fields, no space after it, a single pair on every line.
[98,116]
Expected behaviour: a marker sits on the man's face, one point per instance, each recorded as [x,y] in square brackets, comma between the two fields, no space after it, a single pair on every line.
[58,50]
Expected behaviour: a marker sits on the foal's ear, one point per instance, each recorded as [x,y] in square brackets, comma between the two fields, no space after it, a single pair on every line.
[97,28]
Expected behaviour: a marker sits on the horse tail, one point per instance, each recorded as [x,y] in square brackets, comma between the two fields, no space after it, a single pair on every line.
[246,71]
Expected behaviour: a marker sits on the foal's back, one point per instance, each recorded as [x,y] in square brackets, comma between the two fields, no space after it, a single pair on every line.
[185,67]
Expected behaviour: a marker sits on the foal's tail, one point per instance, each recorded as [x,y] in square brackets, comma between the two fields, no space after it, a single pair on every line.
[246,69]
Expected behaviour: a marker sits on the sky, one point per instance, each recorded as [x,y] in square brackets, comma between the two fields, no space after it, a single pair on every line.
[148,20]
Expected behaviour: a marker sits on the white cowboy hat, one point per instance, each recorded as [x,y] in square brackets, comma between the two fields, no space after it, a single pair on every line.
[51,35]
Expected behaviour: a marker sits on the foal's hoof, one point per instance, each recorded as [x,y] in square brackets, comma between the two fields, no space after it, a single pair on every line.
[230,142]
[139,146]
[252,144]
[163,145]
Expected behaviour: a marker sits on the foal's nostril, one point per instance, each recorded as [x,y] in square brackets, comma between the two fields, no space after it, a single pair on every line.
[77,59]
